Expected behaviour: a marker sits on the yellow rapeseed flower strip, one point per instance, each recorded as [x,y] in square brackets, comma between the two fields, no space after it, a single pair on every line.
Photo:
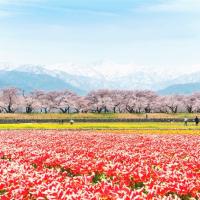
[127,128]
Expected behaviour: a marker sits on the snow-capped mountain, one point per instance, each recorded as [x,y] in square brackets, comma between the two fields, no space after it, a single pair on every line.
[87,78]
[116,76]
[112,71]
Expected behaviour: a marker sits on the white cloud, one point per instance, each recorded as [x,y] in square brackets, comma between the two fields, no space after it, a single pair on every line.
[173,6]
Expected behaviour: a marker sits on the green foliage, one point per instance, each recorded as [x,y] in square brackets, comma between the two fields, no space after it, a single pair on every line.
[139,185]
[34,165]
[136,185]
[69,171]
[98,177]
[2,192]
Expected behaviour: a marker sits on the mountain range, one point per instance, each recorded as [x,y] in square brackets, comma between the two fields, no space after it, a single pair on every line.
[83,80]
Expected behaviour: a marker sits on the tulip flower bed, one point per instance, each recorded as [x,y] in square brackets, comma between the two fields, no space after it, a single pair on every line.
[87,165]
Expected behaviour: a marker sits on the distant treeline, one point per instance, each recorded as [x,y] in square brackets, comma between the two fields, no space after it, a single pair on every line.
[117,101]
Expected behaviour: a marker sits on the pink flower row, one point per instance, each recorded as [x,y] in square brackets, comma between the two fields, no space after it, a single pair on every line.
[86,165]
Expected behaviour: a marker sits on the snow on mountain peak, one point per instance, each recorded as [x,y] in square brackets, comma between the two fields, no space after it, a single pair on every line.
[107,70]
[107,74]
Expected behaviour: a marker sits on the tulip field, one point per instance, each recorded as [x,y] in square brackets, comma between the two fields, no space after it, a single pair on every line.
[95,165]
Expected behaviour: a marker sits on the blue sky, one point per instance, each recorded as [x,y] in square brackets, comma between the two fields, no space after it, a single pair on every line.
[154,33]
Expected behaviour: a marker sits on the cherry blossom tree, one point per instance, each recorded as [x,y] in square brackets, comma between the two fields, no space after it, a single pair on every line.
[10,99]
[189,102]
[80,104]
[149,100]
[45,100]
[65,100]
[30,103]
[130,101]
[103,100]
[160,105]
[196,106]
[117,97]
[173,102]
[99,101]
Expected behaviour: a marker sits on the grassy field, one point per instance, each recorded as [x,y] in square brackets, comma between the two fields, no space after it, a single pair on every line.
[123,127]
[104,126]
[95,116]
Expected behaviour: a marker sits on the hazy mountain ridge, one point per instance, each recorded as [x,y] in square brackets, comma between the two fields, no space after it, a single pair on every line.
[187,88]
[29,81]
[83,80]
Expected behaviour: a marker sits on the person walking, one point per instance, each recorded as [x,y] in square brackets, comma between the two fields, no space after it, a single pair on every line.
[196,120]
[185,121]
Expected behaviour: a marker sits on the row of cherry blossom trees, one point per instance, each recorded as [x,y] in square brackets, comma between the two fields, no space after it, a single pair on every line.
[117,101]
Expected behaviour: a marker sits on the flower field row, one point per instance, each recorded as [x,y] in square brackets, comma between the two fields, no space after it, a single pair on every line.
[87,165]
